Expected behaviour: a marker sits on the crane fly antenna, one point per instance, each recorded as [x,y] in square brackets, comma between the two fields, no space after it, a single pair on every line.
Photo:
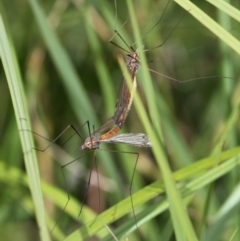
[120,36]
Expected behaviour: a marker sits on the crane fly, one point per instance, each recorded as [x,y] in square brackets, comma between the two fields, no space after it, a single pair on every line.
[108,132]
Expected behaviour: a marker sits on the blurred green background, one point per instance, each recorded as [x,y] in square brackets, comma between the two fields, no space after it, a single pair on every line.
[193,113]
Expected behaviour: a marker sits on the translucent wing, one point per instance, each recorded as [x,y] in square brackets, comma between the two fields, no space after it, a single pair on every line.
[139,139]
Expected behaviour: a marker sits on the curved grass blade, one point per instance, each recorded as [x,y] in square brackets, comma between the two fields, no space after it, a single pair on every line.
[227,8]
[22,118]
[209,23]
[181,222]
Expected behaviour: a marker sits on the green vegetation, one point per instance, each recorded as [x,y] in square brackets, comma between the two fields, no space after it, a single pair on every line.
[61,69]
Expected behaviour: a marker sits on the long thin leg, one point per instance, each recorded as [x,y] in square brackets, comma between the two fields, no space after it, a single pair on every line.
[76,131]
[132,178]
[54,141]
[88,183]
[67,188]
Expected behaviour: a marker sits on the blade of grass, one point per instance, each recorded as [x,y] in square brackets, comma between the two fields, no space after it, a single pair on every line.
[210,24]
[227,8]
[228,210]
[22,118]
[181,222]
[177,209]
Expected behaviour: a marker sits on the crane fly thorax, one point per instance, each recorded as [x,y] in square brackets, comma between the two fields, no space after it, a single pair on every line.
[132,62]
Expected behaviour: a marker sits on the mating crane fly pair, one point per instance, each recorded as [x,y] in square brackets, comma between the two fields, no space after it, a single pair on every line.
[122,108]
[107,133]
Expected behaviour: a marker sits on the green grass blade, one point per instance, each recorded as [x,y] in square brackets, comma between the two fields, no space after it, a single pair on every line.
[227,8]
[22,118]
[181,222]
[208,22]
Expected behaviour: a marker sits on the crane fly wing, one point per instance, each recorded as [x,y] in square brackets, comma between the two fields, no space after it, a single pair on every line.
[140,140]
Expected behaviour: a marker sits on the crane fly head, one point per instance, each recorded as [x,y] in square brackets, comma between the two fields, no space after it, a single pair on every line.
[92,142]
